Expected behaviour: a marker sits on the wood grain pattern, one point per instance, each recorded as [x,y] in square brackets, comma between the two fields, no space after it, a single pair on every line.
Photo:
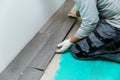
[58,31]
[31,74]
[21,62]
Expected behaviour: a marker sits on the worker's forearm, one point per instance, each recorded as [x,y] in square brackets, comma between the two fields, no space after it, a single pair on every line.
[73,39]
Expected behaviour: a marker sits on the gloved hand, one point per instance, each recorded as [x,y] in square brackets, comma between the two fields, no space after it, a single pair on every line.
[63,46]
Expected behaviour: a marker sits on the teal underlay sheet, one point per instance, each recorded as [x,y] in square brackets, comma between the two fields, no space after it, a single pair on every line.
[72,69]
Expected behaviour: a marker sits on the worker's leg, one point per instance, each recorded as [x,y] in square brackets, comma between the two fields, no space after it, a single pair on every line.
[104,34]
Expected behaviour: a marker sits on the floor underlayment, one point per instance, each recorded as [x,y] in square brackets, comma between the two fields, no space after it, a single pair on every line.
[72,69]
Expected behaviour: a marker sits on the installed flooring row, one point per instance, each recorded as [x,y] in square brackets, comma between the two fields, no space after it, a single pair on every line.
[32,61]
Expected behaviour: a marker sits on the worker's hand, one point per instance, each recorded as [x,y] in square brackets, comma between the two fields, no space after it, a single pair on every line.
[63,46]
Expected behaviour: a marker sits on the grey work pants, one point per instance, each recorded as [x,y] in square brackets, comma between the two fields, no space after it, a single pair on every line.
[103,35]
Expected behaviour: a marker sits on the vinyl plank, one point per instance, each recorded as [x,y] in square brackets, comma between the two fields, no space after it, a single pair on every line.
[59,18]
[47,52]
[21,62]
[31,74]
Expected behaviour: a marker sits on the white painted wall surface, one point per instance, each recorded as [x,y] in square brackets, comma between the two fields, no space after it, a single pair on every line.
[20,20]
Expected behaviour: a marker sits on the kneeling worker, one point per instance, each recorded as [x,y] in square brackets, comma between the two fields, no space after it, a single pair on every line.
[100,26]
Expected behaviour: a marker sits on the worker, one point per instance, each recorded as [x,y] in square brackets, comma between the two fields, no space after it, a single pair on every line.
[100,26]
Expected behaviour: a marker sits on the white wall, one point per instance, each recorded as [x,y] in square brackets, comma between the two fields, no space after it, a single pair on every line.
[20,20]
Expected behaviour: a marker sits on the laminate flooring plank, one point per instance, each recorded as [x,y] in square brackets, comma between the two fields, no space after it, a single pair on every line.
[21,62]
[31,74]
[58,19]
[47,52]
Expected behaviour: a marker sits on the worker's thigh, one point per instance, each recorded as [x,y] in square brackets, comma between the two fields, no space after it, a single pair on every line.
[103,34]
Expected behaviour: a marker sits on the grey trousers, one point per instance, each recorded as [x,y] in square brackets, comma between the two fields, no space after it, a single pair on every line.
[103,35]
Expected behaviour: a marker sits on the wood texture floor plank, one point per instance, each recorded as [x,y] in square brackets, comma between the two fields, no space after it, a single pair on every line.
[21,62]
[58,31]
[59,19]
[31,74]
